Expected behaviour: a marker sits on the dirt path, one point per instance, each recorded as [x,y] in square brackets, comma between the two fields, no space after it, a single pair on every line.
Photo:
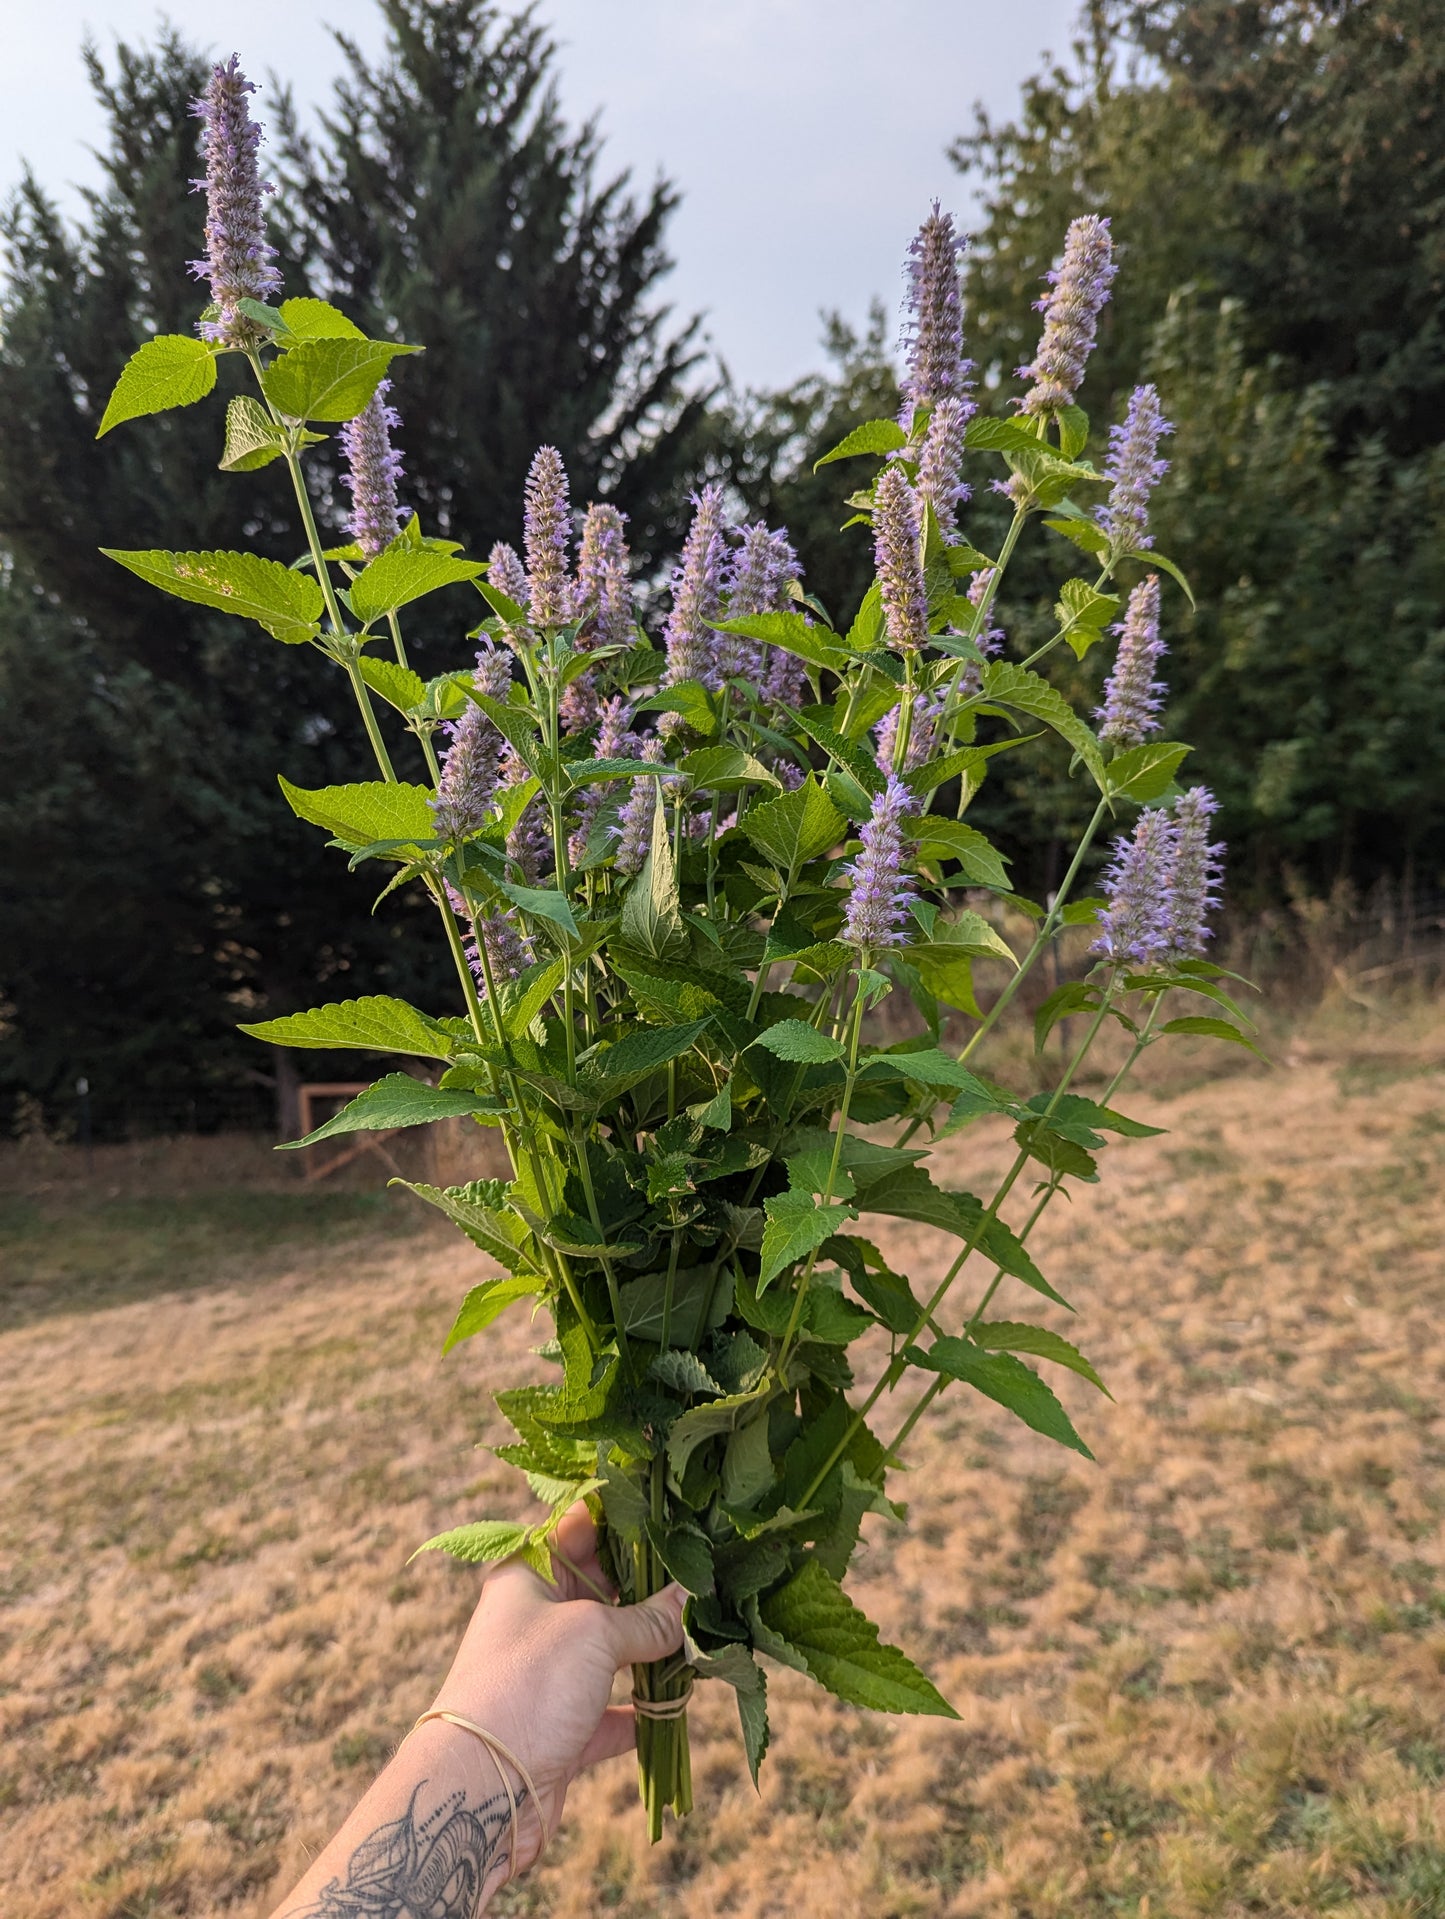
[1204,1676]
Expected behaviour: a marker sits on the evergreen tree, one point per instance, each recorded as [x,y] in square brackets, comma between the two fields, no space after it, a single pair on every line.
[447,202]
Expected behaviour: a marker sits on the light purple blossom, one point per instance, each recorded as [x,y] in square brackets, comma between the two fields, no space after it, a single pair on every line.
[759,570]
[238,260]
[529,843]
[469,776]
[933,322]
[546,536]
[691,644]
[1078,288]
[509,951]
[1135,468]
[634,822]
[880,891]
[920,735]
[990,640]
[1196,872]
[602,595]
[373,467]
[507,574]
[1133,924]
[899,560]
[940,464]
[1132,695]
[785,680]
[615,741]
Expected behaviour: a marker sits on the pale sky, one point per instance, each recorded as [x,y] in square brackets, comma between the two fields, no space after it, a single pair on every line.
[807,136]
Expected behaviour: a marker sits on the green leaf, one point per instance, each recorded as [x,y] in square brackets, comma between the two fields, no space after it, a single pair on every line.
[795,1039]
[701,1423]
[982,863]
[398,1100]
[253,438]
[365,813]
[609,1071]
[817,723]
[1153,558]
[480,1209]
[688,698]
[1074,996]
[1009,1336]
[930,1067]
[397,685]
[1001,436]
[286,603]
[1087,535]
[796,1223]
[1007,684]
[171,370]
[543,903]
[487,1302]
[911,1194]
[700,1302]
[329,378]
[796,827]
[1144,772]
[842,1649]
[736,1667]
[481,1543]
[376,1024]
[725,769]
[651,911]
[1201,1028]
[317,320]
[1002,1378]
[874,436]
[794,634]
[1073,431]
[686,1553]
[402,574]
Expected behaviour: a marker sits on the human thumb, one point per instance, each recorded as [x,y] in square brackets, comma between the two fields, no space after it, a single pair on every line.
[649,1630]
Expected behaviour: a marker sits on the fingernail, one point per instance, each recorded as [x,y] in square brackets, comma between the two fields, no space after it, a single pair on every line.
[677,1594]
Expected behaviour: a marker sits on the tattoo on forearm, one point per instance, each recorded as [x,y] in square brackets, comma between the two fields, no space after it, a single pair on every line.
[433,1868]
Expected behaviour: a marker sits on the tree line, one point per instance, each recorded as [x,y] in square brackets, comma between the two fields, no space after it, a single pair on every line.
[1275,175]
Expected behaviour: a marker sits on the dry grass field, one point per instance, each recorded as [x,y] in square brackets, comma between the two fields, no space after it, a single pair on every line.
[1205,1676]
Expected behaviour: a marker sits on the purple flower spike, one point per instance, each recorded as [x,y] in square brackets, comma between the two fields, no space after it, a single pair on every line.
[1133,925]
[990,640]
[1135,468]
[615,741]
[507,574]
[634,822]
[784,680]
[940,464]
[920,735]
[896,546]
[373,467]
[759,570]
[529,844]
[238,258]
[546,535]
[933,323]
[602,597]
[1078,288]
[880,891]
[469,776]
[692,648]
[1132,695]
[1195,876]
[509,951]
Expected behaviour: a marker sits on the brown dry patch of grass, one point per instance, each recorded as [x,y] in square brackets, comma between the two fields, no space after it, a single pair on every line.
[1204,1676]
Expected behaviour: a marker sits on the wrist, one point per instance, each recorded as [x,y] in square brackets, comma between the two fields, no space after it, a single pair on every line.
[499,1792]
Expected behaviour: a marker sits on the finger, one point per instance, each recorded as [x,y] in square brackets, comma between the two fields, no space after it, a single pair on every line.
[650,1630]
[576,1534]
[616,1733]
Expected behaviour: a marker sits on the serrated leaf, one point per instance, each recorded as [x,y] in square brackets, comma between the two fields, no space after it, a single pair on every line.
[688,698]
[1004,1379]
[796,1223]
[795,1039]
[930,1067]
[1001,436]
[393,1102]
[701,1423]
[397,685]
[375,1024]
[796,827]
[1010,1336]
[317,320]
[842,1649]
[981,861]
[724,769]
[169,371]
[481,1543]
[1085,534]
[1144,773]
[480,1209]
[611,1070]
[253,438]
[1007,684]
[366,812]
[652,911]
[1074,996]
[794,633]
[329,378]
[853,760]
[686,1553]
[402,574]
[288,604]
[1200,1028]
[911,1194]
[874,436]
[487,1301]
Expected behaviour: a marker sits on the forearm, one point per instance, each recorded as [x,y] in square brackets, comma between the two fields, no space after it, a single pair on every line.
[433,1835]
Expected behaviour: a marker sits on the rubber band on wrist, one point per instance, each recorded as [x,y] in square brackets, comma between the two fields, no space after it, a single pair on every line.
[498,1751]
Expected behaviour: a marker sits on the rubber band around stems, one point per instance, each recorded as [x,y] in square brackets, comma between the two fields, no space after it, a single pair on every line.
[498,1751]
[662,1708]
